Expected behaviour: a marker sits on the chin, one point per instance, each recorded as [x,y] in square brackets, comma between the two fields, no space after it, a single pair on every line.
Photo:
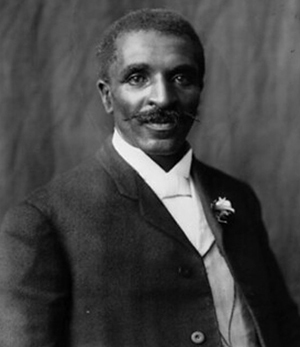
[161,147]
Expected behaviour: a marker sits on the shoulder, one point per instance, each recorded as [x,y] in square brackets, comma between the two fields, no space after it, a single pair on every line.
[61,202]
[213,176]
[82,184]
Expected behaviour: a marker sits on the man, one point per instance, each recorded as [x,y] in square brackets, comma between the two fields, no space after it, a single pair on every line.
[143,245]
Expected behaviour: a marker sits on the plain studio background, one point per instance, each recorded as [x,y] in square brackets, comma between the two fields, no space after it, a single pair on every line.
[51,117]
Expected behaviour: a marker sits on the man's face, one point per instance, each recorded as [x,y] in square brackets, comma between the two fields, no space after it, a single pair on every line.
[154,75]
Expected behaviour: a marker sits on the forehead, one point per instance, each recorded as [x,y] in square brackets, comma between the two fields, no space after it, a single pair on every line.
[155,49]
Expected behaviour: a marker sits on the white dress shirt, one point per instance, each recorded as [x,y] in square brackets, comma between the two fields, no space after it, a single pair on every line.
[177,192]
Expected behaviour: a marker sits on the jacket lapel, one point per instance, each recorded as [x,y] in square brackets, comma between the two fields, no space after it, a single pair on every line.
[212,185]
[132,186]
[207,192]
[123,175]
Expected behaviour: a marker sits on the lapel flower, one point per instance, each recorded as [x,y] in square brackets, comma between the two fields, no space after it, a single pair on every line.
[222,209]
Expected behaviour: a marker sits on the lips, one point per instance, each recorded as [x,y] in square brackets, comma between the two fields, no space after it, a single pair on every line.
[160,126]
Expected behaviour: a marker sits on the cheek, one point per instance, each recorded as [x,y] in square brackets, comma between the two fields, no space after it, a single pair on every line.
[191,101]
[127,103]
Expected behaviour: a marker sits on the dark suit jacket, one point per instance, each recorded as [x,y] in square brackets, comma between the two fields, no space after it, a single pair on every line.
[94,259]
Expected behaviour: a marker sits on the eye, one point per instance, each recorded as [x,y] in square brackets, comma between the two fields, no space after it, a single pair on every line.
[183,79]
[136,79]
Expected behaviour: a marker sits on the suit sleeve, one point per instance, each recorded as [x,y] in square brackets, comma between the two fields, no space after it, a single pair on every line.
[34,283]
[284,309]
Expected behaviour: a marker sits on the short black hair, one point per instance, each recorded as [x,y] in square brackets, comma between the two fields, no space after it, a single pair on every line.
[160,20]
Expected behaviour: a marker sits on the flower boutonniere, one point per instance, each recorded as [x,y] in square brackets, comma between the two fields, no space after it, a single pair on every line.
[222,209]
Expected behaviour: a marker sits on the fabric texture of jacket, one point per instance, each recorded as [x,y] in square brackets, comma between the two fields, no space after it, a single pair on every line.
[94,259]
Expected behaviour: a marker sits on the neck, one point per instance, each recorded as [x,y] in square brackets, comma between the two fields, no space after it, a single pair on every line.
[167,162]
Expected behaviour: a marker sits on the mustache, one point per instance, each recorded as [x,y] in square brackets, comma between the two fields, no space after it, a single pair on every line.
[159,115]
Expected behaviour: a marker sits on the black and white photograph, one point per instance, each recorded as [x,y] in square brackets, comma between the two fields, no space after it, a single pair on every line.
[149,173]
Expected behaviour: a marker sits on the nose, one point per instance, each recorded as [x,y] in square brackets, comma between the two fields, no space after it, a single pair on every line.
[162,93]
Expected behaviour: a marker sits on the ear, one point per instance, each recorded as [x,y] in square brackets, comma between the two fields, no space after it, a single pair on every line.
[105,93]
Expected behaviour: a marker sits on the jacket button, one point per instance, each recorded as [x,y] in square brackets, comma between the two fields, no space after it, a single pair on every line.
[185,272]
[197,337]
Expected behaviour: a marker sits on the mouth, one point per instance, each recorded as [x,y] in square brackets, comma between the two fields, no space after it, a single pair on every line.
[160,126]
[161,122]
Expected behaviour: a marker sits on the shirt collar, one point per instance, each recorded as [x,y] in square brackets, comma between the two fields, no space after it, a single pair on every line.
[151,172]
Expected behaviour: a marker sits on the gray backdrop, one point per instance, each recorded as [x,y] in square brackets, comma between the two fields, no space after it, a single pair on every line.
[51,117]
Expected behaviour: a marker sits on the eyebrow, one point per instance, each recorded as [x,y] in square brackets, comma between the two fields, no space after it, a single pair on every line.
[133,68]
[185,68]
